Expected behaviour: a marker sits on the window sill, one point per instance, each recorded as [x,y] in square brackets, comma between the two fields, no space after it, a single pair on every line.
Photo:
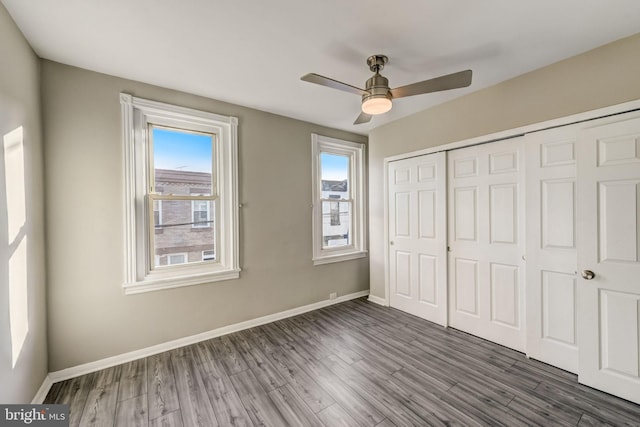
[328,259]
[157,284]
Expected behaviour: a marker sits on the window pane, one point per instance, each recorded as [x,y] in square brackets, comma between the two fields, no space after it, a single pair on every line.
[157,213]
[202,213]
[173,259]
[334,171]
[184,231]
[182,161]
[336,224]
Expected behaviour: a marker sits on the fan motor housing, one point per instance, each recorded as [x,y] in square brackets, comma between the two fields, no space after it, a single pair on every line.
[377,87]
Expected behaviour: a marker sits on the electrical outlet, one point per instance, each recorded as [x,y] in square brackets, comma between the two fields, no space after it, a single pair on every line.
[333,295]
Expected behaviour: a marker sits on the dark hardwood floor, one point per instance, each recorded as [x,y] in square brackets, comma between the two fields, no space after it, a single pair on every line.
[351,364]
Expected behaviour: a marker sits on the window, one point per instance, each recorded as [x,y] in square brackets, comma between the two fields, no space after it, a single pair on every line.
[173,259]
[201,214]
[335,209]
[180,196]
[182,179]
[157,214]
[338,193]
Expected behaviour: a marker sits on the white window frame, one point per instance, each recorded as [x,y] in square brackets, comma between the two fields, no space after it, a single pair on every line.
[137,115]
[355,152]
[193,211]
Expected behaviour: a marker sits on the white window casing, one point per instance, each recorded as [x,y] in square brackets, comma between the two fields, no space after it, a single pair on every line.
[356,191]
[137,115]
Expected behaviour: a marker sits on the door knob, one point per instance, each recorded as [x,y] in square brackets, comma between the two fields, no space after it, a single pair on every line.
[588,274]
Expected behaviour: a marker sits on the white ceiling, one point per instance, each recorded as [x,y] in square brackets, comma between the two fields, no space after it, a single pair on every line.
[253,52]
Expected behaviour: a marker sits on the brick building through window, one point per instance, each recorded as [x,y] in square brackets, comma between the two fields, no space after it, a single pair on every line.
[184,229]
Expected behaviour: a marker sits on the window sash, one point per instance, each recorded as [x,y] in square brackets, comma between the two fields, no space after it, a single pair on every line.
[151,228]
[151,184]
[341,224]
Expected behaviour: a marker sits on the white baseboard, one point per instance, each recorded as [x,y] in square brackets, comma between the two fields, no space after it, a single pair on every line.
[98,365]
[42,391]
[378,300]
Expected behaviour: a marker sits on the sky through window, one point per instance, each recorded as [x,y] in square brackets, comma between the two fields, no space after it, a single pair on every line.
[177,150]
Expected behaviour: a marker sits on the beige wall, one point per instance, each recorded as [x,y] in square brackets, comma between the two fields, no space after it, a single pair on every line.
[19,106]
[602,77]
[89,316]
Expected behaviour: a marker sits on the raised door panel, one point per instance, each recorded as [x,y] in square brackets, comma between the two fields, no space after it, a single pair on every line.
[557,153]
[503,211]
[557,204]
[558,307]
[427,172]
[505,295]
[427,214]
[466,285]
[402,214]
[619,220]
[402,176]
[428,273]
[619,150]
[466,167]
[503,162]
[619,325]
[466,213]
[402,274]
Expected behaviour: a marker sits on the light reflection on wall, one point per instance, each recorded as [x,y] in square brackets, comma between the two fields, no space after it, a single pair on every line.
[17,242]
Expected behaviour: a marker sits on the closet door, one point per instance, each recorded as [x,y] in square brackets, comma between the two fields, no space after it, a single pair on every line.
[551,247]
[486,239]
[609,258]
[417,236]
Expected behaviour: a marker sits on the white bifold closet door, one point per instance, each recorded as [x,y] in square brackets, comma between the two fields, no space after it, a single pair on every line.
[486,239]
[417,236]
[551,291]
[609,247]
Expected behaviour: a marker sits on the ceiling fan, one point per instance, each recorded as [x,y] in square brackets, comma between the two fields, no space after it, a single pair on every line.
[377,96]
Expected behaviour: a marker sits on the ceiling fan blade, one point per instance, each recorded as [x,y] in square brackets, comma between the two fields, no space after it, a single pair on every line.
[363,118]
[326,81]
[449,81]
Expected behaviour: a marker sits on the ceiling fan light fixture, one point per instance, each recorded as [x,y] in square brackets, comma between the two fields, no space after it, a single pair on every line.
[376,104]
[377,96]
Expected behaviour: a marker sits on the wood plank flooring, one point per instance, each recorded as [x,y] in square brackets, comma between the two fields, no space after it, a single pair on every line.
[351,364]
